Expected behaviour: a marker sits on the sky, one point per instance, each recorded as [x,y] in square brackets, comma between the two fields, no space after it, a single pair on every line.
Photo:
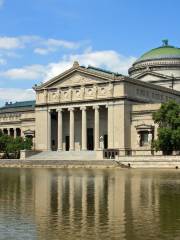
[39,39]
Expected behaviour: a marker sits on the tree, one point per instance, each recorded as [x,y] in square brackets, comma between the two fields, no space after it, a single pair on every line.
[11,146]
[168,120]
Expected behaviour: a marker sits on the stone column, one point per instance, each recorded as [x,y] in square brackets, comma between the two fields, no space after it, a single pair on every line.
[71,129]
[110,124]
[60,129]
[8,131]
[49,130]
[15,134]
[33,143]
[96,125]
[84,128]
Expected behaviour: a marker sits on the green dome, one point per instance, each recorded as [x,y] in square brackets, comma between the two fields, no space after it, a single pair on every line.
[164,52]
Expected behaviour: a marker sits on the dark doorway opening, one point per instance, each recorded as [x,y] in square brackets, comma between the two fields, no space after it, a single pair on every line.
[54,140]
[105,141]
[67,143]
[90,139]
[18,132]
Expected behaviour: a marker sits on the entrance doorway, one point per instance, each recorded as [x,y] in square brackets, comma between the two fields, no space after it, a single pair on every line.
[90,139]
[67,143]
[105,141]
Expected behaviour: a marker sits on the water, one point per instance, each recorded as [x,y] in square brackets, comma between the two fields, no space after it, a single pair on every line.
[89,204]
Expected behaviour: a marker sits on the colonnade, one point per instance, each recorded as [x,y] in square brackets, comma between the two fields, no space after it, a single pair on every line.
[72,128]
[11,131]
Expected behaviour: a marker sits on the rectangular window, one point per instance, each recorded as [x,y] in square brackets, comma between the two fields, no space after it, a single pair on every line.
[144,138]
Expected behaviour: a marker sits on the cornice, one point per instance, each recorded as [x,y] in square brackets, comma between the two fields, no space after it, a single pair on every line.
[154,65]
[156,60]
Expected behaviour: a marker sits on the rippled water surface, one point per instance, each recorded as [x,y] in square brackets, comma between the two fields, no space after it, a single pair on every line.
[89,204]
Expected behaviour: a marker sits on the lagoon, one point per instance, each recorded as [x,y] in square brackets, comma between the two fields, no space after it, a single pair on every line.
[126,204]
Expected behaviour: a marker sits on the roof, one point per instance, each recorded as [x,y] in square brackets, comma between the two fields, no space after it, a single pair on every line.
[19,105]
[103,70]
[164,52]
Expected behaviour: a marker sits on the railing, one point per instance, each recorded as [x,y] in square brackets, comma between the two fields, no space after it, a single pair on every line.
[110,153]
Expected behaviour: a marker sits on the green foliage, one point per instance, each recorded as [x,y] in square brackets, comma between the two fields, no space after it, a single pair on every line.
[168,120]
[27,144]
[11,146]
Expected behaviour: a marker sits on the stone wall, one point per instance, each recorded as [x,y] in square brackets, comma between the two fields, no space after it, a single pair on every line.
[150,161]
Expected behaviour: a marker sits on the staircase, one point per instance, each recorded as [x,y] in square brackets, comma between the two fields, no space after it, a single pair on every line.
[65,155]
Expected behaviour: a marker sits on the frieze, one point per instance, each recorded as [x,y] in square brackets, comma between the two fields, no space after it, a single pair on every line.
[140,92]
[78,92]
[91,92]
[66,95]
[53,96]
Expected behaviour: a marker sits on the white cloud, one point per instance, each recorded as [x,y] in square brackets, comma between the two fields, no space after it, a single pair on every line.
[61,43]
[8,43]
[16,94]
[41,51]
[109,59]
[52,45]
[25,73]
[36,42]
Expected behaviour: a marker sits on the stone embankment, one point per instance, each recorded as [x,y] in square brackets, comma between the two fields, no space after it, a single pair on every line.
[16,163]
[150,161]
[122,162]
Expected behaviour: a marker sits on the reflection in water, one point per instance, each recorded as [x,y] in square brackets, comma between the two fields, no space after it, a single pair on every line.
[89,204]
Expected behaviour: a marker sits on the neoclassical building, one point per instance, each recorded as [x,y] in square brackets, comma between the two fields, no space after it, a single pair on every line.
[94,111]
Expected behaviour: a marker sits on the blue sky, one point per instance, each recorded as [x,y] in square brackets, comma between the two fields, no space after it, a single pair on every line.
[41,38]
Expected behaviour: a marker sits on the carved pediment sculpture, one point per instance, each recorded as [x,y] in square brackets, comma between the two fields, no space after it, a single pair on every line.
[76,79]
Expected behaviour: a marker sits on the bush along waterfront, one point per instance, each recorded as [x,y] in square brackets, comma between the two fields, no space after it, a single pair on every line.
[10,147]
[168,120]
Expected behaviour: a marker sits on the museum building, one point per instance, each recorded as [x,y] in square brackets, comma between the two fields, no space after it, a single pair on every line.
[88,109]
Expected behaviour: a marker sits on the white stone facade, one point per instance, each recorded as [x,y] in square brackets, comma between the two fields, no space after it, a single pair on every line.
[89,109]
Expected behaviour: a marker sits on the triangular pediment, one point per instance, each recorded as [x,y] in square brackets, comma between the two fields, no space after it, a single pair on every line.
[143,127]
[74,77]
[29,132]
[152,76]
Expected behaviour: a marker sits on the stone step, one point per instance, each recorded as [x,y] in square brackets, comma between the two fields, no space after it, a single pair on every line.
[64,155]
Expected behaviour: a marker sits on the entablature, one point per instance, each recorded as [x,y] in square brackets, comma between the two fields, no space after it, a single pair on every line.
[77,92]
[10,117]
